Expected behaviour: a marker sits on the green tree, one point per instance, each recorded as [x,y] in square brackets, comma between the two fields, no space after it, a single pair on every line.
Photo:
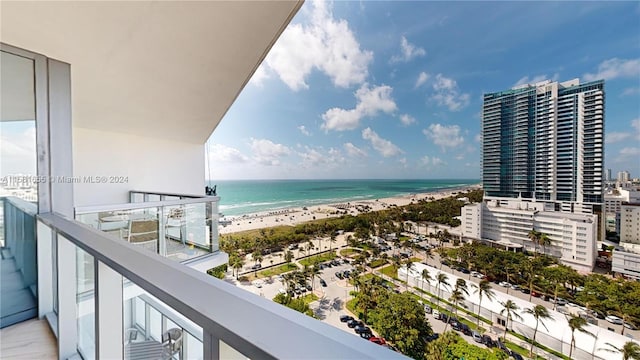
[483,288]
[576,323]
[443,280]
[510,308]
[630,350]
[288,256]
[545,241]
[409,265]
[534,235]
[540,313]
[456,297]
[400,319]
[425,276]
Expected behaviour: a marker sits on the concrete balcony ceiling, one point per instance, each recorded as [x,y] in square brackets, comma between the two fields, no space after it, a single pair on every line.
[152,68]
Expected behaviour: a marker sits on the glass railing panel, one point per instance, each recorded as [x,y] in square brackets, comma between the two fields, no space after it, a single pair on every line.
[85,283]
[154,330]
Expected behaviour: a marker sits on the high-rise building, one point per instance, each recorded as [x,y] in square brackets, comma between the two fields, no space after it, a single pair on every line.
[542,170]
[608,175]
[545,141]
[624,176]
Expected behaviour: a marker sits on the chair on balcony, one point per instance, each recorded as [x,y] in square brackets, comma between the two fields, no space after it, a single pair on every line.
[172,343]
[109,223]
[176,219]
[144,233]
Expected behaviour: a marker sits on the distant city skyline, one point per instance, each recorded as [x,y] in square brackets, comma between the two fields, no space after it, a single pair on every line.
[394,90]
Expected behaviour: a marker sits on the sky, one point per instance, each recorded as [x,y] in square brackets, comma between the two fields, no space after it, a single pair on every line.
[366,90]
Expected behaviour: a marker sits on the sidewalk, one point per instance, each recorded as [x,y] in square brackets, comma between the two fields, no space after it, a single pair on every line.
[497,332]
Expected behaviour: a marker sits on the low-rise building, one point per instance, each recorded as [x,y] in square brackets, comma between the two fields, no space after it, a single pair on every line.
[626,260]
[630,223]
[507,223]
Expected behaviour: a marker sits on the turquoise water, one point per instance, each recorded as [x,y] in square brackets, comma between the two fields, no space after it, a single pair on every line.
[240,197]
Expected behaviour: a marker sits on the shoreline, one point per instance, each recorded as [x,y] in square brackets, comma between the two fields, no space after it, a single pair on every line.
[297,215]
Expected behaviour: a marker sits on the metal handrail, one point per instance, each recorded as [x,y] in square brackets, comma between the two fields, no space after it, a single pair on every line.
[143,205]
[166,194]
[259,328]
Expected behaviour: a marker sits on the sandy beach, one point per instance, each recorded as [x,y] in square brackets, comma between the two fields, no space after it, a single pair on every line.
[294,216]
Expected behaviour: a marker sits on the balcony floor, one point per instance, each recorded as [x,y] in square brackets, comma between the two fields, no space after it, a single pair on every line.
[31,339]
[17,301]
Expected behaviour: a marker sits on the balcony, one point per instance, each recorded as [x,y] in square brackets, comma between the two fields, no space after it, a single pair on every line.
[172,311]
[177,226]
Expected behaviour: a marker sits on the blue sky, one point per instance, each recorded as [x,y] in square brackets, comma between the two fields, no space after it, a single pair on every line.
[394,89]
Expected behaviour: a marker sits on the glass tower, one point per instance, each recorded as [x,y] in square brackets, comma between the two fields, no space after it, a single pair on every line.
[544,141]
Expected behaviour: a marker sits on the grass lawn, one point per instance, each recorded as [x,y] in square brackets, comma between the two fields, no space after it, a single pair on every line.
[520,350]
[351,306]
[277,270]
[391,271]
[316,259]
[472,325]
[377,263]
[460,309]
[349,252]
[309,298]
[540,346]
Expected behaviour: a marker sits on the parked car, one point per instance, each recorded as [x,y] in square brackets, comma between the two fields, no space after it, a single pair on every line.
[465,329]
[524,290]
[292,246]
[339,275]
[535,294]
[561,301]
[378,340]
[436,314]
[428,309]
[256,266]
[488,341]
[516,356]
[366,335]
[323,283]
[353,323]
[614,319]
[629,326]
[432,337]
[504,284]
[308,287]
[345,318]
[515,287]
[476,337]
[362,329]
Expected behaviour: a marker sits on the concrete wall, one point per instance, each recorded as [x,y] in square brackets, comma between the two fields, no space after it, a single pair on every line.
[147,164]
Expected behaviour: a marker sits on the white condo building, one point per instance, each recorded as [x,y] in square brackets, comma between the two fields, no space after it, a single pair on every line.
[542,169]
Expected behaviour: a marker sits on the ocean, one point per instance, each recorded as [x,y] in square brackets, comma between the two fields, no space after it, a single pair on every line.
[239,197]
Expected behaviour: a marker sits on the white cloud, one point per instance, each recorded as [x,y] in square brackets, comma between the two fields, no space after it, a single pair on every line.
[431,161]
[18,150]
[226,154]
[525,79]
[422,78]
[407,119]
[385,147]
[409,52]
[324,43]
[447,93]
[635,123]
[459,156]
[266,152]
[478,138]
[260,75]
[615,137]
[371,101]
[304,130]
[615,68]
[354,151]
[631,91]
[313,157]
[444,136]
[630,151]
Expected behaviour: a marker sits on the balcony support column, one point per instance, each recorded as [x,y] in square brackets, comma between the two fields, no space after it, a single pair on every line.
[211,345]
[67,303]
[109,327]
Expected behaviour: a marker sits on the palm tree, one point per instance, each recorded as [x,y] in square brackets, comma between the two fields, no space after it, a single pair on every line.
[483,288]
[456,297]
[510,308]
[576,323]
[534,236]
[540,313]
[544,240]
[408,264]
[237,263]
[443,280]
[630,350]
[425,276]
[288,256]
